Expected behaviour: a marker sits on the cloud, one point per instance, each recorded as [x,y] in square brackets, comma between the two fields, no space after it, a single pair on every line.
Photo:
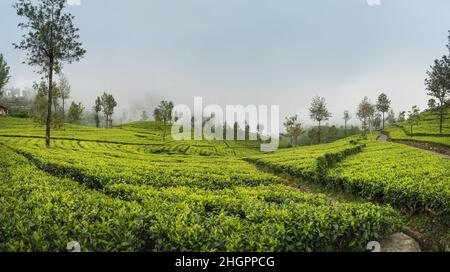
[74,2]
[374,2]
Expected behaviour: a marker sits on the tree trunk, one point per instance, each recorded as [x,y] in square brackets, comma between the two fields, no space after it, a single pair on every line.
[49,105]
[164,131]
[441,121]
[63,109]
[383,120]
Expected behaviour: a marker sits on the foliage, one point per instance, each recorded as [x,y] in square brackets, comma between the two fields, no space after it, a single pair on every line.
[438,85]
[130,212]
[427,131]
[64,92]
[413,180]
[163,113]
[366,112]
[413,117]
[4,74]
[97,109]
[383,105]
[50,40]
[40,107]
[293,128]
[75,112]
[108,103]
[319,112]
[408,178]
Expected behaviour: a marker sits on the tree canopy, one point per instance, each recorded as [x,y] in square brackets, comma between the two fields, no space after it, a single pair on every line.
[383,105]
[319,112]
[293,129]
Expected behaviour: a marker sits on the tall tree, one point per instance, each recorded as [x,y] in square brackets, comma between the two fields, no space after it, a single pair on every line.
[51,39]
[4,74]
[108,105]
[366,112]
[97,110]
[414,117]
[438,86]
[163,113]
[64,92]
[75,112]
[293,128]
[319,112]
[347,118]
[383,105]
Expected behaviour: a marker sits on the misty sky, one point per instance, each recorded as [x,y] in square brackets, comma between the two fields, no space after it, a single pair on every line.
[248,51]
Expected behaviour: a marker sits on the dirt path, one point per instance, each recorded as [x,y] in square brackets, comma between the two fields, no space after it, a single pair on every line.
[311,187]
[383,138]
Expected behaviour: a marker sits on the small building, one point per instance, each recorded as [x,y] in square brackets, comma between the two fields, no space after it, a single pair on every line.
[3,110]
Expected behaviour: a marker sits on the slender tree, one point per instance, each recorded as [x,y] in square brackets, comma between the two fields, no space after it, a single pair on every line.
[64,92]
[383,105]
[108,105]
[163,113]
[97,110]
[366,112]
[293,128]
[319,112]
[347,118]
[413,117]
[51,39]
[4,74]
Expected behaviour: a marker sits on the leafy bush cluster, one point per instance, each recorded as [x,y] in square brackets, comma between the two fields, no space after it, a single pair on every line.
[408,178]
[411,179]
[149,202]
[309,162]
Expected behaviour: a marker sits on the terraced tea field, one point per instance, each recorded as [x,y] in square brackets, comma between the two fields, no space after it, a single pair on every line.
[427,131]
[112,190]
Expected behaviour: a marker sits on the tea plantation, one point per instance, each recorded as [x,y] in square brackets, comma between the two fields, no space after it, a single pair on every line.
[125,189]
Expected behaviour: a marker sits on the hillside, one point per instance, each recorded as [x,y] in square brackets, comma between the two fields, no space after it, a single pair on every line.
[426,131]
[126,189]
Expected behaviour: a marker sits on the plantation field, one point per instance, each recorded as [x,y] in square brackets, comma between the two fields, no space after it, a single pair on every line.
[404,177]
[426,131]
[308,162]
[147,134]
[111,190]
[113,197]
[409,178]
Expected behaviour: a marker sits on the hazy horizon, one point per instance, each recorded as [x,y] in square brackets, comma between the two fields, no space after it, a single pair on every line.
[248,52]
